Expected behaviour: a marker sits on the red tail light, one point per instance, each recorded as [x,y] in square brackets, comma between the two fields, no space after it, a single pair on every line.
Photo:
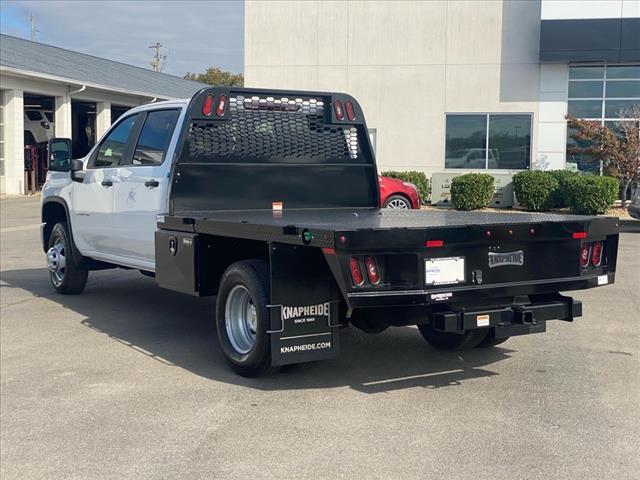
[222,103]
[338,108]
[585,254]
[372,270]
[351,113]
[207,106]
[356,273]
[596,254]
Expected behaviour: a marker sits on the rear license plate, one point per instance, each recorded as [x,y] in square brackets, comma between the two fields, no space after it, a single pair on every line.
[440,271]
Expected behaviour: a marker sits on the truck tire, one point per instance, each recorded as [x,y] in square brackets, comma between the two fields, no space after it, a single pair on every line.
[66,276]
[452,341]
[242,318]
[398,201]
[491,341]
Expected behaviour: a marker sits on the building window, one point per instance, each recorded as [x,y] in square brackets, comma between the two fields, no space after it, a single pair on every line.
[493,141]
[604,93]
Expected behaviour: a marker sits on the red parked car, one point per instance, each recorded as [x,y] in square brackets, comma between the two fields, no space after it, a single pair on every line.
[396,193]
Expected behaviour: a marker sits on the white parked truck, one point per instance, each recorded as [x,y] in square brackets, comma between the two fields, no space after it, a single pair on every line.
[270,201]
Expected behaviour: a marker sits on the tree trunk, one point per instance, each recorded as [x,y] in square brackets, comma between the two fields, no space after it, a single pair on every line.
[625,188]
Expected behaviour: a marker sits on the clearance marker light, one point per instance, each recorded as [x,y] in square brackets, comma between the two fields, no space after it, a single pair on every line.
[222,103]
[579,235]
[351,113]
[338,108]
[208,105]
[434,243]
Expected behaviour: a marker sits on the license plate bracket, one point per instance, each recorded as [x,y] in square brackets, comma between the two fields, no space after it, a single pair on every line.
[444,270]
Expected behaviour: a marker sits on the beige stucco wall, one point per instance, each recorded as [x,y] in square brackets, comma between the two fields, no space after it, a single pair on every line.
[407,62]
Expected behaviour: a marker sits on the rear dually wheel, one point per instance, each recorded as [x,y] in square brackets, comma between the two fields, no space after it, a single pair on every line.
[452,341]
[242,318]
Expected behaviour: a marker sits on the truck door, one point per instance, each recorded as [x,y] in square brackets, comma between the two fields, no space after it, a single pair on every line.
[92,211]
[141,186]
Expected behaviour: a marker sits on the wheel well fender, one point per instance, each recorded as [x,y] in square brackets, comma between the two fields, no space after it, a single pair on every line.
[55,210]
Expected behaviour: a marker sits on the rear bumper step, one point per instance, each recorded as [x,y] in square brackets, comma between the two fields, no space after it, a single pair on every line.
[509,320]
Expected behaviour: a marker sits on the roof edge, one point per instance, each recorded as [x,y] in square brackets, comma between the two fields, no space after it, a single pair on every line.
[75,52]
[55,78]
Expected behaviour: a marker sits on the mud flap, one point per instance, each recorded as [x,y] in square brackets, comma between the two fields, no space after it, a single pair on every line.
[304,306]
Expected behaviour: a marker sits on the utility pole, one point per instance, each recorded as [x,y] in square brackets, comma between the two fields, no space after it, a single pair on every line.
[158,60]
[34,31]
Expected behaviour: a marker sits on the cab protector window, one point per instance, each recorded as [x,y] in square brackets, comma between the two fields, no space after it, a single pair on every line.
[155,137]
[114,147]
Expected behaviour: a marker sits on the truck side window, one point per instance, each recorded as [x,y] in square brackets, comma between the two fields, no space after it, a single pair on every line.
[114,147]
[155,137]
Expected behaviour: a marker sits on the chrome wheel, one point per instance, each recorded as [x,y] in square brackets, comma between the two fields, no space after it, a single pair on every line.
[399,203]
[241,319]
[57,262]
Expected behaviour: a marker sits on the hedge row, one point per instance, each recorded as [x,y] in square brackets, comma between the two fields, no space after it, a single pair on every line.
[419,179]
[540,191]
[535,190]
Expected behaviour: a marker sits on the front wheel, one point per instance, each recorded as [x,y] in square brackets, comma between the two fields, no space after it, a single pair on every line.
[452,341]
[66,277]
[242,318]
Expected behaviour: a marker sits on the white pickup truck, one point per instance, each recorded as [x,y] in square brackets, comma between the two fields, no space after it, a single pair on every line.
[270,201]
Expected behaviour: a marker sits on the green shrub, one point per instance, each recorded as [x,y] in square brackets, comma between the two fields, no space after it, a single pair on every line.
[534,189]
[471,191]
[592,195]
[560,197]
[419,179]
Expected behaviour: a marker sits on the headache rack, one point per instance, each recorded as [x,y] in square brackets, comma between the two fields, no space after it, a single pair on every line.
[244,149]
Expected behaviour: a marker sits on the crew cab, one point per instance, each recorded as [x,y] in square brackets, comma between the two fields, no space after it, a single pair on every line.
[270,201]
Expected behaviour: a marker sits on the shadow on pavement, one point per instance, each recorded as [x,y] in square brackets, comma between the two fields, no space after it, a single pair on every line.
[178,330]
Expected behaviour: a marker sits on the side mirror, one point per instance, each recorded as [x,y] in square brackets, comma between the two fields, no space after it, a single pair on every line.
[59,159]
[77,172]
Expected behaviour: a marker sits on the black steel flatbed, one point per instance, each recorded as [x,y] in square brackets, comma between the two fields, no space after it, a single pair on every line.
[286,226]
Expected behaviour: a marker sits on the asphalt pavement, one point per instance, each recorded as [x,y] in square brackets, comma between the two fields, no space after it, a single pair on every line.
[125,381]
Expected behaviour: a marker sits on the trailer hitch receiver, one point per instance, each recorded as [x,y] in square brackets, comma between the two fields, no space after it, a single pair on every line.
[522,316]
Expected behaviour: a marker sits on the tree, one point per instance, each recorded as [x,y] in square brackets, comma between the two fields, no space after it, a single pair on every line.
[217,77]
[617,146]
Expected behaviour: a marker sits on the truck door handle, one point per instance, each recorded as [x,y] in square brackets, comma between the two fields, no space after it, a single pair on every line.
[151,183]
[107,183]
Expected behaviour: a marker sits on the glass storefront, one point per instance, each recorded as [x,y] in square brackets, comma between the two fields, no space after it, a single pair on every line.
[605,93]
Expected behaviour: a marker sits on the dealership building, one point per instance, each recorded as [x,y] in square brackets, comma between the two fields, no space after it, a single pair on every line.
[48,91]
[457,85]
